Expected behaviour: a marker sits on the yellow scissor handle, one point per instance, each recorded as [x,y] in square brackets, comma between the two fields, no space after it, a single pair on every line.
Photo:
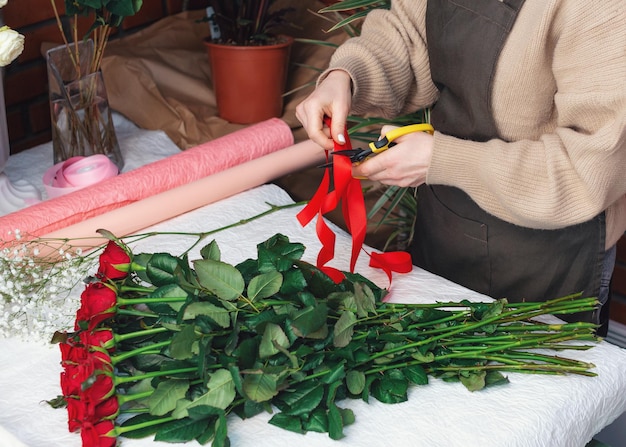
[384,142]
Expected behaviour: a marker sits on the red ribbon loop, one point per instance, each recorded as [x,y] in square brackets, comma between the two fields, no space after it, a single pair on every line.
[347,190]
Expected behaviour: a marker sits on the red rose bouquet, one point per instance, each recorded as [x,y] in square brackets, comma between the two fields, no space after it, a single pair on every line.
[170,348]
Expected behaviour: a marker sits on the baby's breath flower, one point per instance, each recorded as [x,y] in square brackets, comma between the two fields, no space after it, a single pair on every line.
[38,294]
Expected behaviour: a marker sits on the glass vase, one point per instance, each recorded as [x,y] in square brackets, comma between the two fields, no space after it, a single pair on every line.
[81,119]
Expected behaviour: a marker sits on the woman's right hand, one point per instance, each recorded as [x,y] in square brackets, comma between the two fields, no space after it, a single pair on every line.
[332,98]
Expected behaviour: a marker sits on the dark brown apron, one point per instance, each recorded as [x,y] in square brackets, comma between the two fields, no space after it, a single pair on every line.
[454,237]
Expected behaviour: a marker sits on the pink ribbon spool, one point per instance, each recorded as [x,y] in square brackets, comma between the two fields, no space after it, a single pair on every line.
[76,173]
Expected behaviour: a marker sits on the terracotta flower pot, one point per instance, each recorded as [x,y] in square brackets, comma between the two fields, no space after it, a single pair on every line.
[249,80]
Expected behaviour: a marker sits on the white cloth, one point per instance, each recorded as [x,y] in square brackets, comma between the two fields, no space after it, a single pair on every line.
[530,411]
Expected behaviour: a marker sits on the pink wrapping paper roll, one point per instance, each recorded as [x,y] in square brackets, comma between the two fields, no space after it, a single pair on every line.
[154,178]
[160,207]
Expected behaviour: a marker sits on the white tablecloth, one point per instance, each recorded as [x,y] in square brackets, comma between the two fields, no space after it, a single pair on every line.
[530,411]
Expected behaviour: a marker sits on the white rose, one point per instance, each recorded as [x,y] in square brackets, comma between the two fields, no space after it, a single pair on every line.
[3,3]
[11,45]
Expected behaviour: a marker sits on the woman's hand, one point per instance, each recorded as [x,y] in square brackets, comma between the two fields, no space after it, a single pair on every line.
[405,164]
[333,98]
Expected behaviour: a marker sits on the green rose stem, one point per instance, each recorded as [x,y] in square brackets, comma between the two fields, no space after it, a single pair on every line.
[119,431]
[120,380]
[203,235]
[153,348]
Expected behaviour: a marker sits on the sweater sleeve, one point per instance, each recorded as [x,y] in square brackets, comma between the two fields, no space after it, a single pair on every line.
[560,106]
[388,62]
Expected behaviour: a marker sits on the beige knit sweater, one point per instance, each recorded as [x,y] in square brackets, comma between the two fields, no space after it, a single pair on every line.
[559,103]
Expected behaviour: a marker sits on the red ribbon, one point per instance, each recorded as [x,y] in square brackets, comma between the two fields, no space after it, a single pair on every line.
[347,190]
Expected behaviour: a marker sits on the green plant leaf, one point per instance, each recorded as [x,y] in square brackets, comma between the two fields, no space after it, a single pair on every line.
[273,333]
[264,285]
[221,432]
[355,380]
[365,301]
[335,423]
[287,422]
[221,391]
[302,398]
[416,374]
[220,394]
[161,269]
[167,393]
[309,320]
[211,251]
[391,387]
[317,421]
[495,378]
[181,347]
[219,314]
[220,278]
[181,430]
[293,282]
[277,253]
[260,386]
[473,380]
[344,329]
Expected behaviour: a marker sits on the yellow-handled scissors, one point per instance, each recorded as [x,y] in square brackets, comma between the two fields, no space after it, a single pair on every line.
[376,147]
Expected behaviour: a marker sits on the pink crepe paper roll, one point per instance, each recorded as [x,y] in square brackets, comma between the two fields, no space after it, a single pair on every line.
[154,178]
[173,202]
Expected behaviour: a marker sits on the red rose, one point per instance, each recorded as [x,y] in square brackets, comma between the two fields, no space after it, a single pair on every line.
[75,414]
[72,357]
[100,338]
[97,389]
[95,435]
[97,304]
[113,262]
[107,409]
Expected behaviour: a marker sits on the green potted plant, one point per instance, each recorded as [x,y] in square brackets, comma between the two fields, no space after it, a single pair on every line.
[249,63]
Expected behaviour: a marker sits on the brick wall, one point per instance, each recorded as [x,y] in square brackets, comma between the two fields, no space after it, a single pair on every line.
[26,79]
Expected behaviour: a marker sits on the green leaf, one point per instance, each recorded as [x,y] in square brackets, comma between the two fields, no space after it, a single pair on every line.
[293,282]
[301,399]
[221,432]
[259,386]
[355,380]
[169,291]
[167,393]
[161,269]
[335,423]
[495,378]
[365,301]
[335,374]
[277,253]
[317,421]
[219,314]
[264,285]
[273,333]
[211,251]
[181,430]
[221,391]
[427,357]
[391,388]
[181,347]
[220,278]
[344,329]
[309,320]
[286,422]
[416,374]
[473,380]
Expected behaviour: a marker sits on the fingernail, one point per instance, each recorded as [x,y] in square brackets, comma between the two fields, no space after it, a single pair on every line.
[341,138]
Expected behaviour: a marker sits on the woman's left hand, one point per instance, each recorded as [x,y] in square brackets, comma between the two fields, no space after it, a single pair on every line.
[405,164]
